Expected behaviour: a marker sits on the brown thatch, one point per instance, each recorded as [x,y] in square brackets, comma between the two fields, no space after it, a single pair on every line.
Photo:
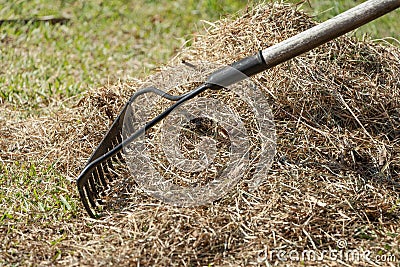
[335,176]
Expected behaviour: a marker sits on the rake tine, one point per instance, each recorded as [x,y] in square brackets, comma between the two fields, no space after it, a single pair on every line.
[89,195]
[92,185]
[119,138]
[83,197]
[101,176]
[119,158]
[106,171]
[110,166]
[95,183]
[96,179]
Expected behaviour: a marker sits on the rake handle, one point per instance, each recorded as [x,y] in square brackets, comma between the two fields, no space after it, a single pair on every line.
[304,41]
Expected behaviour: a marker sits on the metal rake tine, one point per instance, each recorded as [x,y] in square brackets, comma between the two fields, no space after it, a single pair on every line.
[119,154]
[119,158]
[106,171]
[100,172]
[94,180]
[110,166]
[89,195]
[82,195]
[96,187]
[92,184]
[110,169]
[119,138]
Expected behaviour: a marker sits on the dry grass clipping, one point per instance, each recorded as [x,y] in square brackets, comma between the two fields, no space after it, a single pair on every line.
[335,176]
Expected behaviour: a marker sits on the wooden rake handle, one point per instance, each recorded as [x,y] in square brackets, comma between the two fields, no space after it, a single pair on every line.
[328,30]
[303,42]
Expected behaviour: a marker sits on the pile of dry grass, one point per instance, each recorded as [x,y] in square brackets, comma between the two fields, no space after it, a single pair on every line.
[335,176]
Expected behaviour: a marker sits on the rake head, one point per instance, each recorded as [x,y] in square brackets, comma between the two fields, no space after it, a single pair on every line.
[94,182]
[97,180]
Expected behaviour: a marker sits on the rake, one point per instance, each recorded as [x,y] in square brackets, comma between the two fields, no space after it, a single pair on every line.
[94,180]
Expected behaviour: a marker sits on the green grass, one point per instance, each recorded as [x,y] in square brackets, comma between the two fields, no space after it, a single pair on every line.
[104,41]
[34,190]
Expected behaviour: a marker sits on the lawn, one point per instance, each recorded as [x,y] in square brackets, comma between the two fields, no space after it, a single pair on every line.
[46,69]
[104,42]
